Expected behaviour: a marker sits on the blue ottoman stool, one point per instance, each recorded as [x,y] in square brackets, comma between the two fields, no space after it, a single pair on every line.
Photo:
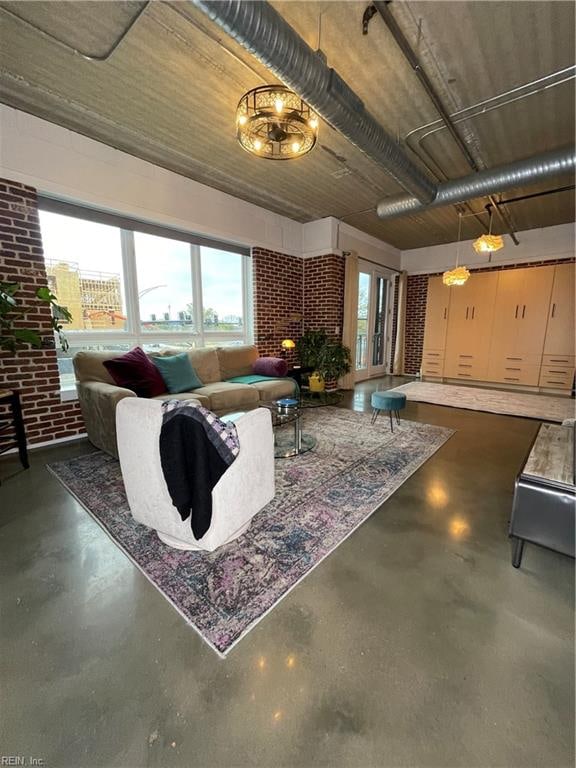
[393,402]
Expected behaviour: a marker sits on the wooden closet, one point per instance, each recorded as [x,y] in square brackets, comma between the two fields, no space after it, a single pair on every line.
[469,328]
[558,359]
[511,327]
[437,304]
[520,313]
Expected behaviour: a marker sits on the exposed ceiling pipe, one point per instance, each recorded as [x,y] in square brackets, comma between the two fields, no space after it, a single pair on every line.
[266,35]
[522,172]
[410,55]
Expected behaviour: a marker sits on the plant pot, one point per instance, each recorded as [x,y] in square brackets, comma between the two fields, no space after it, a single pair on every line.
[316,382]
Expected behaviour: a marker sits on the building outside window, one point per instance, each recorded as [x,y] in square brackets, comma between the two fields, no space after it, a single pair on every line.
[126,287]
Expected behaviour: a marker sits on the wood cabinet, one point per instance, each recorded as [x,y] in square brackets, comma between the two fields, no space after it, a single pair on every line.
[511,326]
[520,310]
[437,306]
[560,329]
[470,326]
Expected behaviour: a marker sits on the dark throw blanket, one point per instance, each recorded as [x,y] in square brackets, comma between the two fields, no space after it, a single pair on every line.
[196,448]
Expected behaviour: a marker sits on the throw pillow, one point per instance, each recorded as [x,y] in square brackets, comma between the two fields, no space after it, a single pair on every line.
[135,371]
[270,366]
[178,373]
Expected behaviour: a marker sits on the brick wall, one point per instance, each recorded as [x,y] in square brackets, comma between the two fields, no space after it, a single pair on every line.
[324,293]
[416,309]
[33,372]
[278,300]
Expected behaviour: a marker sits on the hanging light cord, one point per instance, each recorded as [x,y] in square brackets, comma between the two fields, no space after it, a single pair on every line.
[459,233]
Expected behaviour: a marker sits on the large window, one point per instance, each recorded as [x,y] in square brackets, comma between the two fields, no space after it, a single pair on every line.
[129,283]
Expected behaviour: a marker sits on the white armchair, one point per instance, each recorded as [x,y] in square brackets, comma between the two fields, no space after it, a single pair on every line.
[243,490]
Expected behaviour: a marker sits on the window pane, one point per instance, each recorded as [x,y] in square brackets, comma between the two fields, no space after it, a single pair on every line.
[65,367]
[362,337]
[222,294]
[164,273]
[84,268]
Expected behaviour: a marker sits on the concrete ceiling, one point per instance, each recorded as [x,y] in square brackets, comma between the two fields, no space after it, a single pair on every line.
[168,92]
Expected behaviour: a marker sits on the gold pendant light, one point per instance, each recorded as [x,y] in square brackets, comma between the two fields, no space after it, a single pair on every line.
[458,275]
[488,243]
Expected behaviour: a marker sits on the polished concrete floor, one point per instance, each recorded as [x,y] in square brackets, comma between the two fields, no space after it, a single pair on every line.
[414,644]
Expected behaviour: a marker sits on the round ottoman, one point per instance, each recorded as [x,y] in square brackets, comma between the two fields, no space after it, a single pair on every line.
[390,401]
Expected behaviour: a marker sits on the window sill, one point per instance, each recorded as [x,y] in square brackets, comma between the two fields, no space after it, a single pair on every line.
[68,395]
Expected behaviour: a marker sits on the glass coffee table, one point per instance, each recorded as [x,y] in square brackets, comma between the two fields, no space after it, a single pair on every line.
[289,440]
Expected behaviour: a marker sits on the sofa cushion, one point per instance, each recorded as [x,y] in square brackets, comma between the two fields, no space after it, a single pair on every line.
[270,366]
[269,391]
[135,371]
[89,366]
[229,397]
[236,361]
[177,372]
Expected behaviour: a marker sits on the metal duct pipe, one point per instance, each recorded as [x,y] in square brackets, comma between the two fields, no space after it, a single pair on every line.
[266,35]
[483,183]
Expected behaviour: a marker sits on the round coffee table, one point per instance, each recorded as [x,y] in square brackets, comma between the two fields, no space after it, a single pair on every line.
[289,440]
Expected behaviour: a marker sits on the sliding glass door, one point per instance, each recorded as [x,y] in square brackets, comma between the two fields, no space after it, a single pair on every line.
[372,323]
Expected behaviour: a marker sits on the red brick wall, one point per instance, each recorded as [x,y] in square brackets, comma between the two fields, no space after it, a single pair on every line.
[324,293]
[416,309]
[278,300]
[33,372]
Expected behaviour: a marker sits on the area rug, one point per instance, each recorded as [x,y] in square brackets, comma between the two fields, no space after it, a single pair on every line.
[542,407]
[321,498]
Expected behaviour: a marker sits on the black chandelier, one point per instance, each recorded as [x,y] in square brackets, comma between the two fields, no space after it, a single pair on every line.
[273,122]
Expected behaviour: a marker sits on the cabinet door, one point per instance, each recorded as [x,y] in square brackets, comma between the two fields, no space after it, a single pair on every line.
[534,302]
[469,329]
[506,309]
[560,330]
[436,324]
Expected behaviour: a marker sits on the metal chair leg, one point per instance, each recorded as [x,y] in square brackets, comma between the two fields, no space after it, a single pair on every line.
[397,417]
[391,422]
[517,552]
[375,413]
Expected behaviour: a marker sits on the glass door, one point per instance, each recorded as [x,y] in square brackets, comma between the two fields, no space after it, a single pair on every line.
[372,337]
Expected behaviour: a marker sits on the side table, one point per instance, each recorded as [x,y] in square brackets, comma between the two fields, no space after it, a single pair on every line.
[12,424]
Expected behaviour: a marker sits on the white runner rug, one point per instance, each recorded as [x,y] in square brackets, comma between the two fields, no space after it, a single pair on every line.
[543,407]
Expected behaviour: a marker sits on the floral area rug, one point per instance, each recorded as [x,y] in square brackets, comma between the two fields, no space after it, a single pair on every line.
[321,497]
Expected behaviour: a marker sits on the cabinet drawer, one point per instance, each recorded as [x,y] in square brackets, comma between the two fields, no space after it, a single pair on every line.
[433,354]
[556,377]
[513,372]
[466,369]
[523,359]
[559,360]
[432,369]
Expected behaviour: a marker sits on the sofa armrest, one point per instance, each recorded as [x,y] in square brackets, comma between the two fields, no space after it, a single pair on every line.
[98,402]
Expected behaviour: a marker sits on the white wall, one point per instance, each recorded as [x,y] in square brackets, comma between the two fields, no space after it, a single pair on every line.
[535,245]
[69,166]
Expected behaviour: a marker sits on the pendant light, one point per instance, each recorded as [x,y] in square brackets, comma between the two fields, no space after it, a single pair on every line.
[488,243]
[458,275]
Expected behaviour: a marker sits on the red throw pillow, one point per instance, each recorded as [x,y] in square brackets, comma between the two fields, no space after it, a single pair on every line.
[137,372]
[270,366]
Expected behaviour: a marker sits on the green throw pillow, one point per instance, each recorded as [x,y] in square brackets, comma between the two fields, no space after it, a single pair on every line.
[177,372]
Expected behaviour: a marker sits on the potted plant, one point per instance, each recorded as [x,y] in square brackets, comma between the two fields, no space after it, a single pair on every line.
[328,359]
[12,337]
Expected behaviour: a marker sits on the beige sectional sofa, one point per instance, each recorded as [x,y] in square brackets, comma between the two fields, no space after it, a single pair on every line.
[98,394]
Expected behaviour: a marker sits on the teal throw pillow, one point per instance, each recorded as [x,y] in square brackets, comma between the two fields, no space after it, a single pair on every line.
[177,372]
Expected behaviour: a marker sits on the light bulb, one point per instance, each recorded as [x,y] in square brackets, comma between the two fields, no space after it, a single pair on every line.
[313,123]
[295,146]
[279,105]
[257,144]
[242,120]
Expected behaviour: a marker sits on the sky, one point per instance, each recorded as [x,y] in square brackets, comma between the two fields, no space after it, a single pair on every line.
[162,264]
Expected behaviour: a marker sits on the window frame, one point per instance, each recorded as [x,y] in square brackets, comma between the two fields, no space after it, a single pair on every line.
[133,334]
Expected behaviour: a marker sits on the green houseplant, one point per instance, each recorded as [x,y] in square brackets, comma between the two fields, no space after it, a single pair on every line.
[328,358]
[12,337]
